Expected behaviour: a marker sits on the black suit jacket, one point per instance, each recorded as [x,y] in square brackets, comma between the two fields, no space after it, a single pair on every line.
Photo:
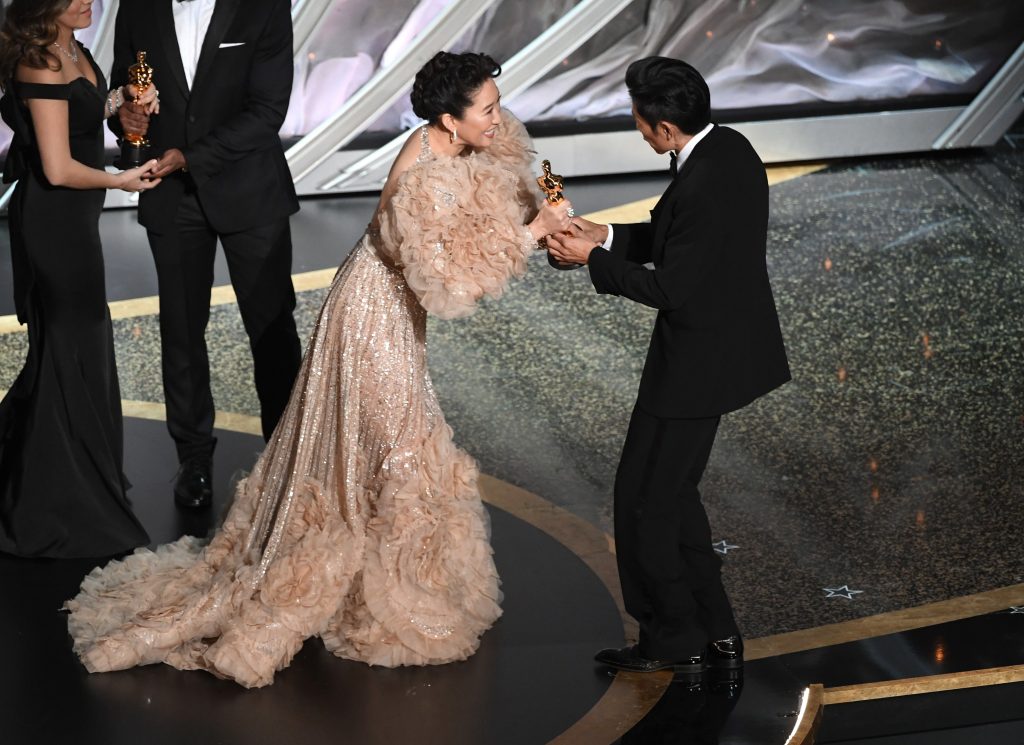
[716,344]
[227,125]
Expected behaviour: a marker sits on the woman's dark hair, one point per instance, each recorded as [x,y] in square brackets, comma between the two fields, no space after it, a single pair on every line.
[669,90]
[446,84]
[29,28]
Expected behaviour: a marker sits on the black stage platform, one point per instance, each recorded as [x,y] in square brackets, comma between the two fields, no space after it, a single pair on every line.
[531,682]
[531,679]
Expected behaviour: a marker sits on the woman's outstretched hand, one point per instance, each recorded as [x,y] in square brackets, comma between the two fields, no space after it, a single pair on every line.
[139,179]
[552,218]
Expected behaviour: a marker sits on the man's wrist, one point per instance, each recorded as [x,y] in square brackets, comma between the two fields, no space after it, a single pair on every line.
[586,257]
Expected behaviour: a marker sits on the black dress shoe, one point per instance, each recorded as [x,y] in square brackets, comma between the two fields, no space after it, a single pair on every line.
[725,654]
[193,488]
[630,660]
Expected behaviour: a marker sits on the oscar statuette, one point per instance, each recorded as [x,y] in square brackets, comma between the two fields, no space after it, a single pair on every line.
[135,146]
[552,184]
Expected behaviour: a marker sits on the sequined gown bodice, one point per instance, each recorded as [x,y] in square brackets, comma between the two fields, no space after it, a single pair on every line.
[361,522]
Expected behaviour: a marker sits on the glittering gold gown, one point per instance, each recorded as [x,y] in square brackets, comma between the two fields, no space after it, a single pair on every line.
[361,522]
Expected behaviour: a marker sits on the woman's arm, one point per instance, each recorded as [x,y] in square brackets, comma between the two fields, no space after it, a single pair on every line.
[115,100]
[50,121]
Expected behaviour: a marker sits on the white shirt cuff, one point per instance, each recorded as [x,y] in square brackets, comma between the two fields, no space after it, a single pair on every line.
[607,245]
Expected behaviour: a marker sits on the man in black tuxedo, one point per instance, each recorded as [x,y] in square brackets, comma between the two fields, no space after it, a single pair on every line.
[225,74]
[716,347]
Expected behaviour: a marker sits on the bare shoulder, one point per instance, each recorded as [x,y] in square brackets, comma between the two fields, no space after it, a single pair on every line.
[407,158]
[408,155]
[25,74]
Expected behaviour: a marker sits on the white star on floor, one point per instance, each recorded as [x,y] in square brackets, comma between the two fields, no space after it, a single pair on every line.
[1017,610]
[723,547]
[841,592]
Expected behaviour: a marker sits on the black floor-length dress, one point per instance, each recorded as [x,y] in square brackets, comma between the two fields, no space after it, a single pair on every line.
[62,490]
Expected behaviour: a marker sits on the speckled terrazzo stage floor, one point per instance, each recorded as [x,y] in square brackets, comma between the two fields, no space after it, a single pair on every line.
[891,464]
[887,475]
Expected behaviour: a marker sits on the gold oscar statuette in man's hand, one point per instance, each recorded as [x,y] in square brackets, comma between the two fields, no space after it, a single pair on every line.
[135,146]
[552,184]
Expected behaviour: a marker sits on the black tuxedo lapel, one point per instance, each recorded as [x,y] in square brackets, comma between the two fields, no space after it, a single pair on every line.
[164,18]
[659,226]
[223,15]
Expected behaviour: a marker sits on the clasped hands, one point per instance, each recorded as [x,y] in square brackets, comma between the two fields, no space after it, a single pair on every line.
[573,246]
[568,238]
[135,118]
[551,218]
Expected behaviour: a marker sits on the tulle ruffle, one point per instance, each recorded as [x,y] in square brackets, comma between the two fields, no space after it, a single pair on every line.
[454,228]
[418,588]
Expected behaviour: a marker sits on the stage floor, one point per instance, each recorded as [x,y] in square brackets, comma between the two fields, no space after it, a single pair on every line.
[868,513]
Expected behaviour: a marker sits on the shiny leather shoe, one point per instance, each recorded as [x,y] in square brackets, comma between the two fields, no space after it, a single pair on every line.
[630,660]
[725,654]
[193,489]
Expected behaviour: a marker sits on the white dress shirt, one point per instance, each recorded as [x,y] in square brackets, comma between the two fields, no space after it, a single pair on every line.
[689,146]
[680,159]
[191,22]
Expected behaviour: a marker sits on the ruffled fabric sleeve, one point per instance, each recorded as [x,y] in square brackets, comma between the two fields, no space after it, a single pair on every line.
[456,227]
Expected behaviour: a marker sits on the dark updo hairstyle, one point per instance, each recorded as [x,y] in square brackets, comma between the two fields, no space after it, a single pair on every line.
[29,28]
[669,90]
[447,83]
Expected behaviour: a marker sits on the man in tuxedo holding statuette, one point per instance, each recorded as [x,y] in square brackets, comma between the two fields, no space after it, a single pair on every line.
[224,69]
[716,347]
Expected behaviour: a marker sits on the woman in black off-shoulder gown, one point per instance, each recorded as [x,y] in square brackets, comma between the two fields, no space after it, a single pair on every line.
[62,491]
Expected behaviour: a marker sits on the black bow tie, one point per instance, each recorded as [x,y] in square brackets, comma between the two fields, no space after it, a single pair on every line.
[672,158]
[184,1]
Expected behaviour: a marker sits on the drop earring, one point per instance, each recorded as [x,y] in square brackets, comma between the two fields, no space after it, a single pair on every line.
[453,135]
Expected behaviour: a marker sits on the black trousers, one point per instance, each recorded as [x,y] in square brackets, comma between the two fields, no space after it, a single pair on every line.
[670,574]
[259,261]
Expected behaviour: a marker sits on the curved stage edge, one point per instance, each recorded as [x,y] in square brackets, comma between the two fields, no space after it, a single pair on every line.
[533,680]
[530,680]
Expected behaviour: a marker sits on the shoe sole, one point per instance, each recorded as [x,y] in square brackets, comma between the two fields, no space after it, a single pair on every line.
[724,675]
[688,669]
[677,669]
[726,664]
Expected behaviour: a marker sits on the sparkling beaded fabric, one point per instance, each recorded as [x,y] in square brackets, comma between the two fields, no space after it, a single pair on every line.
[361,522]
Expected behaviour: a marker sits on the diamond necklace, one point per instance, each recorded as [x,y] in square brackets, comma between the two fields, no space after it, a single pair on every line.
[71,56]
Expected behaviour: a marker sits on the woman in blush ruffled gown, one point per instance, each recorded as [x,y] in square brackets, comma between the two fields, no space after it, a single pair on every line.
[361,522]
